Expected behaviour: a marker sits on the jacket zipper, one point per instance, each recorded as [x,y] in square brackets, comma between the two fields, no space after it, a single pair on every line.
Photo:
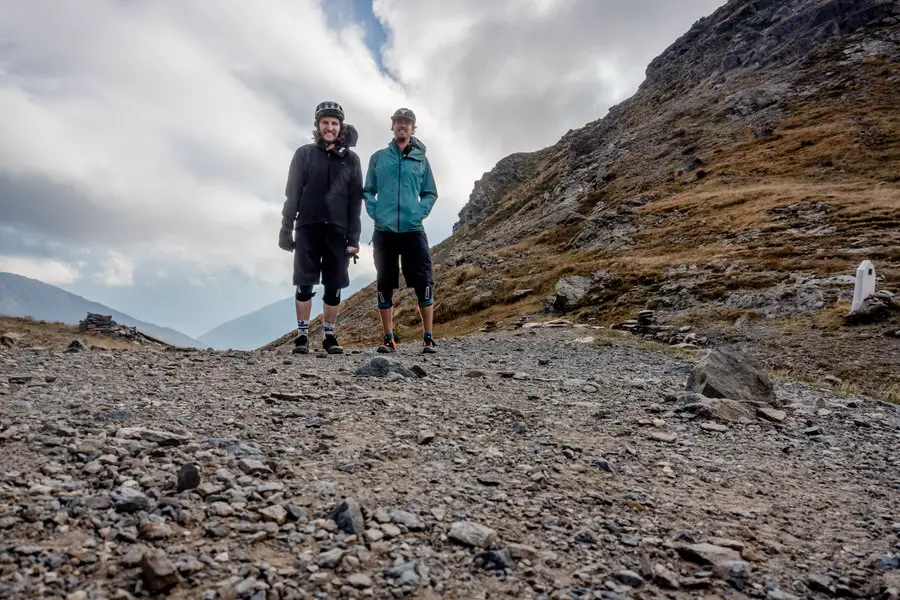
[328,187]
[399,167]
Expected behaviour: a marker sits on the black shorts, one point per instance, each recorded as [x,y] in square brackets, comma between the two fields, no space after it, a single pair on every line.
[410,250]
[321,251]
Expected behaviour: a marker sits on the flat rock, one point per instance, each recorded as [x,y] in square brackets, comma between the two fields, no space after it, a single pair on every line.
[472,534]
[381,366]
[771,414]
[708,554]
[157,436]
[407,519]
[252,466]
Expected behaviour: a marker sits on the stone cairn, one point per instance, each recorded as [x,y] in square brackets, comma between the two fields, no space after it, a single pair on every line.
[105,325]
[647,326]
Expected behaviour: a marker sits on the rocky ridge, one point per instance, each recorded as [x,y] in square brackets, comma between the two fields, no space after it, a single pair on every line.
[553,462]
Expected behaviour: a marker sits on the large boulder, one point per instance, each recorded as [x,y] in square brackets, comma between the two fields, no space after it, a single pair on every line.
[571,292]
[734,375]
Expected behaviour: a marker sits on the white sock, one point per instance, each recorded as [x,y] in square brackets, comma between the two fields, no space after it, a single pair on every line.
[327,329]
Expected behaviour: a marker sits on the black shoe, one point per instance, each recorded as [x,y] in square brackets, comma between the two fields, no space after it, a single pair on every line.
[331,345]
[428,346]
[301,345]
[388,344]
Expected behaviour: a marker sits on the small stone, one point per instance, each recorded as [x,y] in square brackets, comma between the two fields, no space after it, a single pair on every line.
[491,478]
[726,543]
[750,555]
[330,559]
[251,466]
[391,531]
[663,577]
[663,436]
[159,572]
[519,551]
[630,578]
[130,500]
[472,534]
[494,560]
[349,518]
[885,562]
[779,594]
[374,535]
[382,516]
[711,426]
[820,583]
[408,520]
[360,581]
[274,514]
[424,437]
[604,465]
[152,530]
[736,573]
[188,477]
[133,557]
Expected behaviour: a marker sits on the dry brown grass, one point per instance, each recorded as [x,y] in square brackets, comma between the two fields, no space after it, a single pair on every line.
[56,335]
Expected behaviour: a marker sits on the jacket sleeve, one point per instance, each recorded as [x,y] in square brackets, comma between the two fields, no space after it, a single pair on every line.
[292,190]
[371,187]
[428,196]
[354,208]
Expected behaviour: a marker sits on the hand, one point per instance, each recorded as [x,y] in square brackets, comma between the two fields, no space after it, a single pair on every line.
[286,240]
[351,250]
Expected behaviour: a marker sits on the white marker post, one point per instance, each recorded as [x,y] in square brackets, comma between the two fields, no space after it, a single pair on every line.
[865,283]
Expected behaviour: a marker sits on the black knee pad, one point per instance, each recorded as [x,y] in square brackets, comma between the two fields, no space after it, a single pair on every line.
[304,293]
[385,298]
[332,297]
[425,294]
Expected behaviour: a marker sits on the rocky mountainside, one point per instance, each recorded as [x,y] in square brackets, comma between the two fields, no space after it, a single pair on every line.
[549,463]
[735,192]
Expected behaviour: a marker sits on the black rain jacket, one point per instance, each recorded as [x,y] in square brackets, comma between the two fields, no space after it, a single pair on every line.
[324,187]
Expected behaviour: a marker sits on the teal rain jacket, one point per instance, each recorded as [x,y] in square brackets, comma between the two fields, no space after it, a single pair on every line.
[400,190]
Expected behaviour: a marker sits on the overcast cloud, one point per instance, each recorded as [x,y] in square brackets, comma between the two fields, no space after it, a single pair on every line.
[146,143]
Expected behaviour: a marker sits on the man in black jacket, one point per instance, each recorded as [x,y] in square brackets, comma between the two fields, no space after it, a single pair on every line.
[322,207]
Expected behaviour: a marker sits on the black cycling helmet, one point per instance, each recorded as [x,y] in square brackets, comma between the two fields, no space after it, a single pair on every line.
[404,112]
[329,109]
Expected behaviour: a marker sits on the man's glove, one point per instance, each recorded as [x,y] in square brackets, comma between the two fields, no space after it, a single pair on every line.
[286,239]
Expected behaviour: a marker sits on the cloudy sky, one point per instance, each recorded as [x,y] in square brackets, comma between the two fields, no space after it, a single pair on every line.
[146,143]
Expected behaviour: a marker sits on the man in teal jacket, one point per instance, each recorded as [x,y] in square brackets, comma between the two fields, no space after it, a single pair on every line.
[399,194]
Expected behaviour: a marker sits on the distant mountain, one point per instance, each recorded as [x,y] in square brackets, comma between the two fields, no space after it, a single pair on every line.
[255,329]
[25,297]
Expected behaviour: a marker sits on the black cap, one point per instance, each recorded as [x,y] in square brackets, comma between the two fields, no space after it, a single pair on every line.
[404,112]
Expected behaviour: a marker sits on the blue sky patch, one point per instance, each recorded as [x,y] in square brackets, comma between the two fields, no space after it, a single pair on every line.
[341,13]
